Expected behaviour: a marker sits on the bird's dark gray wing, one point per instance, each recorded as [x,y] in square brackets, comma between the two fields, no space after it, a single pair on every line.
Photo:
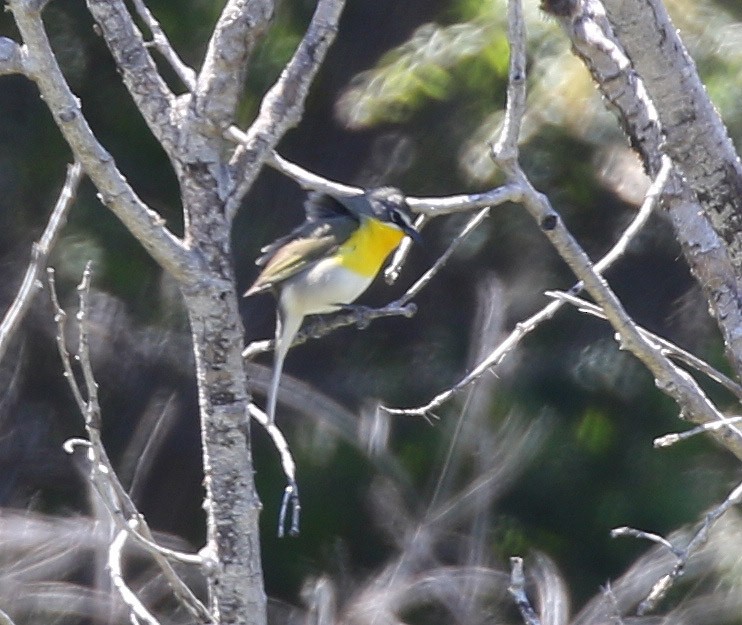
[297,251]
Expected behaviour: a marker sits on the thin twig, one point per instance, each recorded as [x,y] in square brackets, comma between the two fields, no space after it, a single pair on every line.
[423,280]
[60,318]
[641,534]
[103,476]
[505,149]
[291,493]
[164,47]
[394,268]
[137,611]
[283,104]
[670,439]
[359,316]
[663,585]
[39,255]
[517,590]
[523,328]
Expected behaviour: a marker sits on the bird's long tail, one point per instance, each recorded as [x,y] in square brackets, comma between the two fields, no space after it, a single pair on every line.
[286,329]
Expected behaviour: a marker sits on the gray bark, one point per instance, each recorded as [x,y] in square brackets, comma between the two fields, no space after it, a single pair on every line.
[191,128]
[645,100]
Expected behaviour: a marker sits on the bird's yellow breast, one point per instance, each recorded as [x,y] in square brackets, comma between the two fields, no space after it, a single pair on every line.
[368,247]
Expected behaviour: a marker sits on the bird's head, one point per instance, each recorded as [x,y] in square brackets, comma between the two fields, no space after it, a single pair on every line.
[386,204]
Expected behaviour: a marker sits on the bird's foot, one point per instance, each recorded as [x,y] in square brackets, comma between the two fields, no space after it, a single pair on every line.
[362,314]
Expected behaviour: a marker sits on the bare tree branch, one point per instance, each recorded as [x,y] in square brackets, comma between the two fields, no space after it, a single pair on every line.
[695,136]
[676,437]
[221,80]
[394,268]
[163,46]
[145,224]
[283,105]
[525,327]
[517,590]
[137,611]
[39,254]
[663,585]
[429,206]
[593,40]
[672,380]
[102,474]
[151,94]
[303,177]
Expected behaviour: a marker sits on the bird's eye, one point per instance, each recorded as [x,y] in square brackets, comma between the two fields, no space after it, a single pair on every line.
[397,218]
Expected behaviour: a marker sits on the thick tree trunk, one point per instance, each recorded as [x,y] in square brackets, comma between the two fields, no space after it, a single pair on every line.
[236,593]
[232,505]
[695,136]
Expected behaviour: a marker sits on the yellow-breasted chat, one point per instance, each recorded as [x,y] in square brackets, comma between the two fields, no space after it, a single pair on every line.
[328,261]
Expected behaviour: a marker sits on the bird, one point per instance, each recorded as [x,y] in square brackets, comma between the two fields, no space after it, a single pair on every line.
[328,261]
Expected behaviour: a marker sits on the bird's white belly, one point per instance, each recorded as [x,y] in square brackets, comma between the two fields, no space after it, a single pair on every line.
[323,288]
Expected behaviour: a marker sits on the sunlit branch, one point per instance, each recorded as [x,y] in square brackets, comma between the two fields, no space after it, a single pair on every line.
[220,82]
[616,532]
[622,81]
[707,158]
[505,149]
[164,47]
[528,325]
[303,177]
[429,206]
[39,255]
[670,439]
[517,590]
[139,73]
[283,104]
[137,611]
[115,192]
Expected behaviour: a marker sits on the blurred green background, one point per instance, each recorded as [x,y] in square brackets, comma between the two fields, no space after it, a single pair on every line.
[410,95]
